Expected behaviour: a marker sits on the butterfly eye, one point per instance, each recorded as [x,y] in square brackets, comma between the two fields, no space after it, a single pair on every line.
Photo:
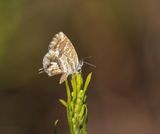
[47,66]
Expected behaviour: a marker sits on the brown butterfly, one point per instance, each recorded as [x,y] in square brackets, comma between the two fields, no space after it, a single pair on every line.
[61,58]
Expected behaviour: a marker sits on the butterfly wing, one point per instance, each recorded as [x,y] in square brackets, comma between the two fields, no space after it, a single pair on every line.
[61,58]
[67,53]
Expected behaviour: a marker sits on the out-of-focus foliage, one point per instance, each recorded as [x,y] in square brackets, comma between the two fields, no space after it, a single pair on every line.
[10,12]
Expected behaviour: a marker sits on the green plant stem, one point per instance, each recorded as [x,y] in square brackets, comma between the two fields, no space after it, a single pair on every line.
[76,104]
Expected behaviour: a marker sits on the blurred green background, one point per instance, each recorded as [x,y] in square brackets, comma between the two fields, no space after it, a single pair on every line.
[123,37]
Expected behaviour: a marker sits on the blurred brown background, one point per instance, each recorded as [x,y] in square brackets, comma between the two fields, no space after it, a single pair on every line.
[122,36]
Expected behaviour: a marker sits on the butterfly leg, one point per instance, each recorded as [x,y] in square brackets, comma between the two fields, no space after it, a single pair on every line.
[55,72]
[63,78]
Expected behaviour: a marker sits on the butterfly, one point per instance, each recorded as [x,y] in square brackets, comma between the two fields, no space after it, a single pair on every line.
[61,58]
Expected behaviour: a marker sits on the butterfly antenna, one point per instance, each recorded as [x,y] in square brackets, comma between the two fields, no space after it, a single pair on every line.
[85,62]
[87,57]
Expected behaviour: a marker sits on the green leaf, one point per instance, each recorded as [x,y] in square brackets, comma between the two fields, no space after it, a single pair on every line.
[55,125]
[87,82]
[69,118]
[81,114]
[85,120]
[74,87]
[56,122]
[79,81]
[73,82]
[64,103]
[68,91]
[85,99]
